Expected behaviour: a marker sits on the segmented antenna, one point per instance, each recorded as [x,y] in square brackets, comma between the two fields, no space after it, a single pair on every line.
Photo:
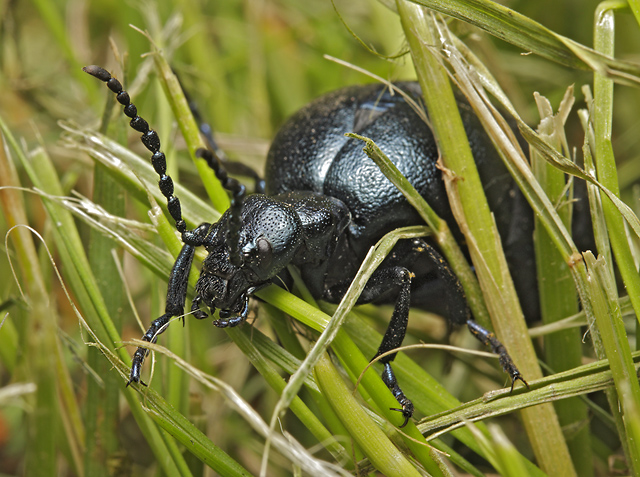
[152,142]
[149,138]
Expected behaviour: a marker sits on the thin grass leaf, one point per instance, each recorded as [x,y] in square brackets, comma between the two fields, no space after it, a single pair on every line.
[130,169]
[252,350]
[190,132]
[242,66]
[616,344]
[102,412]
[373,259]
[602,110]
[344,347]
[575,382]
[563,350]
[382,453]
[41,345]
[125,233]
[178,426]
[54,21]
[288,447]
[503,454]
[80,276]
[441,232]
[509,25]
[280,357]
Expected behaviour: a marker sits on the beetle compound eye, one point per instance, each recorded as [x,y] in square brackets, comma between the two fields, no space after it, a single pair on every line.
[264,247]
[264,252]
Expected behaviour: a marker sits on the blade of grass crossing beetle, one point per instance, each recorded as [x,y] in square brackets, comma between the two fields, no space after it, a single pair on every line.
[542,424]
[558,299]
[531,36]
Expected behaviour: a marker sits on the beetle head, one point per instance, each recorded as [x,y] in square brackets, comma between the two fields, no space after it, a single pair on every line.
[269,237]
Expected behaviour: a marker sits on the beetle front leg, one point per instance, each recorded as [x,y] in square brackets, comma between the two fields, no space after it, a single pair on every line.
[176,298]
[157,327]
[396,332]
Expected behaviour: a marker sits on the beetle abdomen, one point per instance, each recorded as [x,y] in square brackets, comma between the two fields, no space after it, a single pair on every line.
[311,152]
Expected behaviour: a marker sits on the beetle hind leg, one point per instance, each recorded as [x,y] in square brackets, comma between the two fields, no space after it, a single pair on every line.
[458,312]
[389,378]
[488,338]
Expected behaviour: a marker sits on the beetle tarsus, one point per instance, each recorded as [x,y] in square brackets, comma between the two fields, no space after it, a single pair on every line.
[518,377]
[488,338]
[389,378]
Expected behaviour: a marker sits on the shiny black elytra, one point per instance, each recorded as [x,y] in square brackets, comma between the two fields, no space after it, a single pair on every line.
[325,205]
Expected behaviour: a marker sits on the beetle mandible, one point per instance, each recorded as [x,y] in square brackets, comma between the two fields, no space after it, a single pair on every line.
[325,205]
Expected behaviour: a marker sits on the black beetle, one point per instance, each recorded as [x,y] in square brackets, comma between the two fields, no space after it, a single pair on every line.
[326,205]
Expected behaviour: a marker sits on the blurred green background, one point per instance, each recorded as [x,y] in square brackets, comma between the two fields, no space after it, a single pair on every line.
[248,65]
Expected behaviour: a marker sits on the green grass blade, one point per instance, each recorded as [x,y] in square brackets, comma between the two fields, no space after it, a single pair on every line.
[248,67]
[563,350]
[604,157]
[186,433]
[382,453]
[441,232]
[39,328]
[253,351]
[531,36]
[80,277]
[131,169]
[56,25]
[190,131]
[579,381]
[102,412]
[194,440]
[504,455]
[616,344]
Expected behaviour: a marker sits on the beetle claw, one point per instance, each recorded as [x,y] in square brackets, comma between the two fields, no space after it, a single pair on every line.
[406,412]
[518,377]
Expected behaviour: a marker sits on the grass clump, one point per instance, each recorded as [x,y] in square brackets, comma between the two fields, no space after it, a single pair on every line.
[210,403]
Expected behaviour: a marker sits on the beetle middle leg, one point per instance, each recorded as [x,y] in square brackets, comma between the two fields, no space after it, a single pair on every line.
[415,273]
[385,283]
